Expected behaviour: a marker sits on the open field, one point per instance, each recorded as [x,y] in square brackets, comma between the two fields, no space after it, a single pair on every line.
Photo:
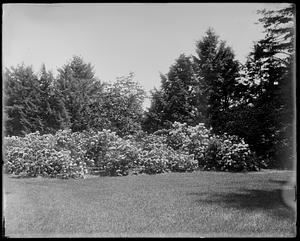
[198,204]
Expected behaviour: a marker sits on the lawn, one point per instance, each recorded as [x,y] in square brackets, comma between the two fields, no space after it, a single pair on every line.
[197,204]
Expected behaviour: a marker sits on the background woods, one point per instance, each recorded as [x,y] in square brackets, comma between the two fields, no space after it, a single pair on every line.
[250,104]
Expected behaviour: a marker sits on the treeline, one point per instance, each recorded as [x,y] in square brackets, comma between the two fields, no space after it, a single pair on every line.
[74,100]
[252,100]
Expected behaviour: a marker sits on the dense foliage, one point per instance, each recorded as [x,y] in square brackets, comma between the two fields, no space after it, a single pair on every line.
[230,153]
[122,105]
[264,115]
[213,152]
[85,121]
[72,154]
[58,155]
[177,99]
[217,72]
[31,103]
[76,99]
[254,101]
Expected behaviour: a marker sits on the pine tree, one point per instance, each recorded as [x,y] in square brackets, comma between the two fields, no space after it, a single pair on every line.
[217,73]
[179,92]
[52,109]
[266,119]
[154,116]
[280,30]
[176,101]
[78,89]
[30,104]
[21,96]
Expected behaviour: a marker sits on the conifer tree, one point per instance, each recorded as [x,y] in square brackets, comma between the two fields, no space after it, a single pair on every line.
[153,117]
[268,73]
[78,89]
[52,109]
[217,73]
[30,104]
[176,101]
[22,92]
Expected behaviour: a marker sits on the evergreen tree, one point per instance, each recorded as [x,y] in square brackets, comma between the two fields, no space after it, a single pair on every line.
[217,72]
[153,118]
[280,30]
[29,103]
[79,91]
[52,109]
[265,117]
[22,101]
[177,99]
[18,86]
[179,92]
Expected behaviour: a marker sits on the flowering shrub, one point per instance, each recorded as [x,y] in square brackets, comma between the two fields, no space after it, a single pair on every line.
[75,142]
[157,157]
[229,153]
[153,155]
[213,152]
[18,159]
[54,163]
[45,155]
[180,162]
[189,139]
[44,162]
[33,140]
[182,148]
[148,153]
[110,152]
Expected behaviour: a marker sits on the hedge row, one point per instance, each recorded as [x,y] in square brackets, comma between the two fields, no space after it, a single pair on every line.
[71,154]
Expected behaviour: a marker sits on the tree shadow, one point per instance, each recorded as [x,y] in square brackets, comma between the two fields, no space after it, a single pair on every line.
[21,177]
[280,182]
[250,200]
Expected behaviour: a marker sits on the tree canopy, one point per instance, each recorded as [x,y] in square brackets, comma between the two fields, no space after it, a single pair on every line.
[254,100]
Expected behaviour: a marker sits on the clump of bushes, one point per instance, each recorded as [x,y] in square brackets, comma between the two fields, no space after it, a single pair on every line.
[229,153]
[110,153]
[189,139]
[213,152]
[44,162]
[58,155]
[180,149]
[157,156]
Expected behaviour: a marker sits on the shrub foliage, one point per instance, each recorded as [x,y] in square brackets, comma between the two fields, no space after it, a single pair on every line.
[72,154]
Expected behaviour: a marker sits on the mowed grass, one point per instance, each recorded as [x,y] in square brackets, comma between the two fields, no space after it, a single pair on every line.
[198,204]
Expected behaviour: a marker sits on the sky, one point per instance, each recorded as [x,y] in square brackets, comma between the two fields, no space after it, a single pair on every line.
[117,38]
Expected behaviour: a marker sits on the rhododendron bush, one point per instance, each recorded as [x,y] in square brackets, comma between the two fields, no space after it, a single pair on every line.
[110,153]
[157,157]
[189,139]
[72,154]
[229,153]
[59,155]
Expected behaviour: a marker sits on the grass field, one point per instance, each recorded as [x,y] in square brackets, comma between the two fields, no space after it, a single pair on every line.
[198,204]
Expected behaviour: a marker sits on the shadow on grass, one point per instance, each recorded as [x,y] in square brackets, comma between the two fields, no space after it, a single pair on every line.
[20,177]
[280,182]
[250,200]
